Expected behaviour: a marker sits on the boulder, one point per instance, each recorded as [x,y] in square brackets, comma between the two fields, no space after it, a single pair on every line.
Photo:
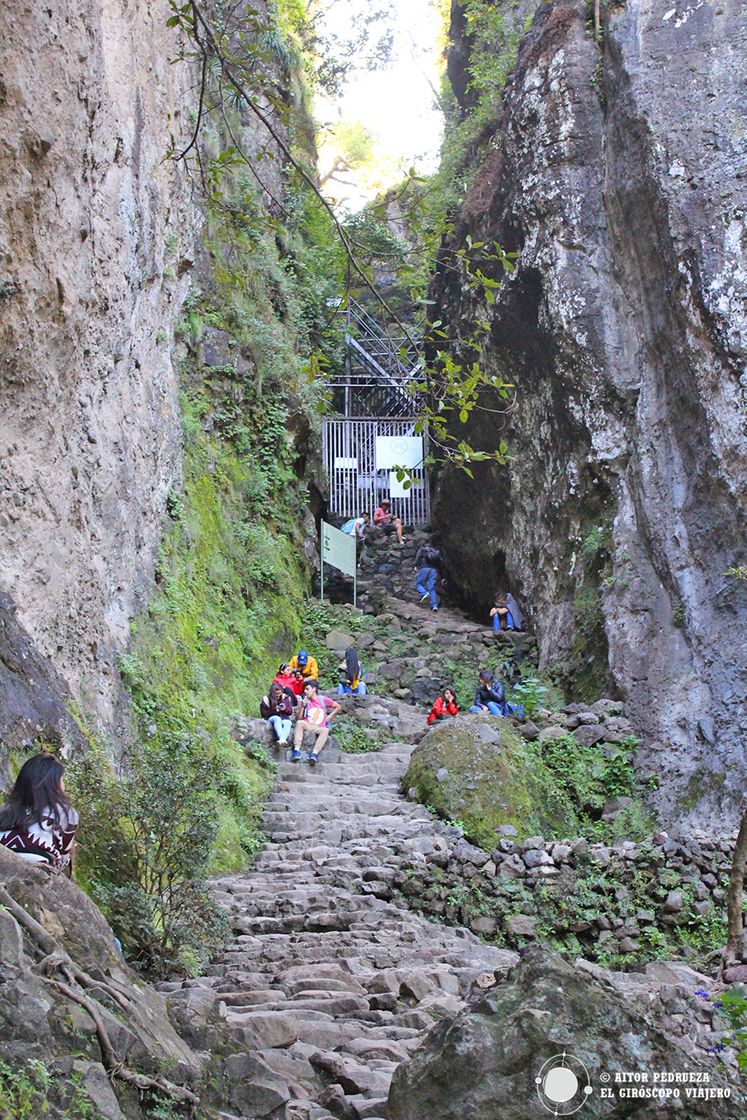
[549,734]
[260,1030]
[589,733]
[339,641]
[487,1061]
[483,924]
[491,782]
[37,1021]
[251,1086]
[520,925]
[253,729]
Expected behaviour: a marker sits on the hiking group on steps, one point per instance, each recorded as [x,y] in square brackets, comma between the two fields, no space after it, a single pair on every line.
[295,703]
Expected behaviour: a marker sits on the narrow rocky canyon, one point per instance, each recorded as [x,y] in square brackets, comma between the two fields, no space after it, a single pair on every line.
[419,924]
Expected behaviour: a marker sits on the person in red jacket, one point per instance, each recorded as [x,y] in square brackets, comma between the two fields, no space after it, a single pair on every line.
[290,680]
[443,706]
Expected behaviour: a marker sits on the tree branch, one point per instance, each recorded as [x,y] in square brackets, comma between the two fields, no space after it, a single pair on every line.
[227,69]
[734,897]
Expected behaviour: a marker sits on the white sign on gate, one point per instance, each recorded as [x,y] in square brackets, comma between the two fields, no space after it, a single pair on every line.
[404,488]
[399,451]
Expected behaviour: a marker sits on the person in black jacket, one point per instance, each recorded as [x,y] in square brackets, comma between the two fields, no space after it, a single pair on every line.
[277,708]
[490,695]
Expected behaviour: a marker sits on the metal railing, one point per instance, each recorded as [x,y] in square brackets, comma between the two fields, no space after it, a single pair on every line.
[356,483]
[380,369]
[377,397]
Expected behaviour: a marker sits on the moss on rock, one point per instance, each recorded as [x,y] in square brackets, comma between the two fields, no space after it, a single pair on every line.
[478,770]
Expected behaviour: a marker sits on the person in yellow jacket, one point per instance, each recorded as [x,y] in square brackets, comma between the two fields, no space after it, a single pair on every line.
[306,665]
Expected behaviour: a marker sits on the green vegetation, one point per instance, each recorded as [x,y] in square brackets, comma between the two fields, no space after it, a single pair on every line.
[231,572]
[353,738]
[585,673]
[733,1006]
[31,1091]
[531,693]
[230,583]
[555,789]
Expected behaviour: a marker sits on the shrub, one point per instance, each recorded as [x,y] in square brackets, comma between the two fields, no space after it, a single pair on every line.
[147,841]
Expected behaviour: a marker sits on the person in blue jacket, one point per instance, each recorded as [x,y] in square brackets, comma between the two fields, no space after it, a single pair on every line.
[490,695]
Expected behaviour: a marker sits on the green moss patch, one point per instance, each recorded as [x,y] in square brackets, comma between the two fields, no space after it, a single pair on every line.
[489,775]
[494,778]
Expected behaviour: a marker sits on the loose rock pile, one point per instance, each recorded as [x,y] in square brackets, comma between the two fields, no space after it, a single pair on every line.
[601,722]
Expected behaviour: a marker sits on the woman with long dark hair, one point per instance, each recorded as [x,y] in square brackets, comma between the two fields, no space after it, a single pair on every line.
[37,821]
[351,676]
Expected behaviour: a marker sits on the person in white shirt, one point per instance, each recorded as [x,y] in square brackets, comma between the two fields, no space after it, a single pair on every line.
[356,526]
[316,711]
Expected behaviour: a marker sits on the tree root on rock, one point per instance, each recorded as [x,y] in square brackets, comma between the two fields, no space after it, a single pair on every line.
[56,959]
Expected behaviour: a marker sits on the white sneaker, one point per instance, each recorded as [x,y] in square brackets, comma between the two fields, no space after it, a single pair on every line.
[282,742]
[434,608]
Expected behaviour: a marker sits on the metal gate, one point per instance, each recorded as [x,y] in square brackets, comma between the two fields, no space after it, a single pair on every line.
[356,482]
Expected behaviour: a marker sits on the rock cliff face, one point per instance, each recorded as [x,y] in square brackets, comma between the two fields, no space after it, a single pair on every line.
[615,176]
[95,249]
[32,696]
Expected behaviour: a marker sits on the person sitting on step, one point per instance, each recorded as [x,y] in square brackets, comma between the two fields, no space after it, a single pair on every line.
[314,718]
[37,821]
[277,709]
[306,664]
[490,695]
[516,615]
[351,676]
[427,573]
[443,706]
[506,614]
[291,681]
[384,519]
[356,527]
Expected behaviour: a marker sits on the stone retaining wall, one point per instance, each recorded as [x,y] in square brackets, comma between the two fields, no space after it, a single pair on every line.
[386,569]
[623,900]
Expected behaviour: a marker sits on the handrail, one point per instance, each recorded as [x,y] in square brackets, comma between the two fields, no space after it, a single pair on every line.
[391,363]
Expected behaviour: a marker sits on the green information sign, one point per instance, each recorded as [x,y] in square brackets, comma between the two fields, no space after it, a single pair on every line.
[338,549]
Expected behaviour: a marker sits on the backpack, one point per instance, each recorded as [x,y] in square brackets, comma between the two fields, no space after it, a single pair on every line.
[431,557]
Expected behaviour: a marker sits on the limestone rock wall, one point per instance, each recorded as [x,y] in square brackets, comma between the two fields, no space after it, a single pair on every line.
[33,697]
[615,176]
[96,231]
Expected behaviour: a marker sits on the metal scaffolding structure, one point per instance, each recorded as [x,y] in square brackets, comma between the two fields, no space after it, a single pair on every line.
[375,432]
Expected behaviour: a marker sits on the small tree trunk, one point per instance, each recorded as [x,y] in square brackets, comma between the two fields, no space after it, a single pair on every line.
[735,894]
[597,19]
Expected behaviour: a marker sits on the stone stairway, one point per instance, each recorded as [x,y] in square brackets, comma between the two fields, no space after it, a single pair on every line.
[326,984]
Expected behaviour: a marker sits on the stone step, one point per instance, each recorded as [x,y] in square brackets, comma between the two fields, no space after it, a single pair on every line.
[328,981]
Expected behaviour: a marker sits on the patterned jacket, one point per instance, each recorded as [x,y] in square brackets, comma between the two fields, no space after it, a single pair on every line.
[45,841]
